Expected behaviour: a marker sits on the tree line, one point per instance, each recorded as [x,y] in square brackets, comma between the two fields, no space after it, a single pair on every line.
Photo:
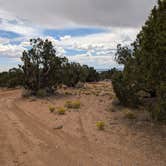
[42,69]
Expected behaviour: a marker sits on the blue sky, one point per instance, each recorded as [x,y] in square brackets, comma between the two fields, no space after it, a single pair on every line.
[81,37]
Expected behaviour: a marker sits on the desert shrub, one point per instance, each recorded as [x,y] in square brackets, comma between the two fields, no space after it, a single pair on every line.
[51,108]
[41,67]
[100,125]
[41,93]
[68,104]
[129,114]
[61,110]
[125,92]
[73,104]
[76,104]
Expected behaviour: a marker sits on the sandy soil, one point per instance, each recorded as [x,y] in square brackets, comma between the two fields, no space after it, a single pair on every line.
[28,136]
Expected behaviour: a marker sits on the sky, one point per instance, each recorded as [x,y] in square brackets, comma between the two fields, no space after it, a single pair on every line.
[85,31]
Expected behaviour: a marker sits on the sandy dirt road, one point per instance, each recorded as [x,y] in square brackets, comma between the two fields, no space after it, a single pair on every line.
[28,137]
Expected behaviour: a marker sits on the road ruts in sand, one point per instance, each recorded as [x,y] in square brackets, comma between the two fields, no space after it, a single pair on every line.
[27,137]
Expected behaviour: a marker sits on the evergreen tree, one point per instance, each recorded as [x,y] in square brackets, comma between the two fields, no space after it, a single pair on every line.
[145,64]
[41,66]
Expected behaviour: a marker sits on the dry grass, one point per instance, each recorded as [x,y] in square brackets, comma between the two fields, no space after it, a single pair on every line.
[73,104]
[100,125]
[51,108]
[61,110]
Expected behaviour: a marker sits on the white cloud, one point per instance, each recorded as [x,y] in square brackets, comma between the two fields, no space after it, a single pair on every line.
[14,24]
[67,37]
[99,62]
[100,48]
[13,51]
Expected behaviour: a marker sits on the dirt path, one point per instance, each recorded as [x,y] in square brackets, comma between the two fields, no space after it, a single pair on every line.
[28,137]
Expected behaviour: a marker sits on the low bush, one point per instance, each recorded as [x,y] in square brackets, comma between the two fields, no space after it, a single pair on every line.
[51,108]
[73,104]
[100,125]
[61,110]
[68,104]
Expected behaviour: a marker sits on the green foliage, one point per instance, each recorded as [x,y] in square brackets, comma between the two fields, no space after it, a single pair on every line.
[107,74]
[12,78]
[41,66]
[42,71]
[125,92]
[51,108]
[61,110]
[145,64]
[74,73]
[100,125]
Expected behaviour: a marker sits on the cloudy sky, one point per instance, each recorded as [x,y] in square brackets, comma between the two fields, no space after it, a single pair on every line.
[85,31]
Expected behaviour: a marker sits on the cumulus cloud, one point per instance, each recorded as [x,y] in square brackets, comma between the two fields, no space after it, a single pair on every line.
[102,43]
[67,37]
[24,28]
[11,51]
[121,19]
[99,48]
[100,62]
[53,13]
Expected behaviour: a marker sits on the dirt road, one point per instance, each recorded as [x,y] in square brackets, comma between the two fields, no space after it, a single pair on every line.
[28,136]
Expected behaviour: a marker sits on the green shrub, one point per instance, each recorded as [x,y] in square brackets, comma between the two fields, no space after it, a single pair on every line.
[73,104]
[68,104]
[51,108]
[76,104]
[100,125]
[61,110]
[125,91]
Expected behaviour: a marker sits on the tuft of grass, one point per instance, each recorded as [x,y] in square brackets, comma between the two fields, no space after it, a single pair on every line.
[52,109]
[61,110]
[76,104]
[129,114]
[68,104]
[73,104]
[100,125]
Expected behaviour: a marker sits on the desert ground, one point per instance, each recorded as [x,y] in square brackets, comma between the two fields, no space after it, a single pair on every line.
[31,135]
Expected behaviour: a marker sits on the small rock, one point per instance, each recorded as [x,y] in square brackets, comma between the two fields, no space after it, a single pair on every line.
[58,127]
